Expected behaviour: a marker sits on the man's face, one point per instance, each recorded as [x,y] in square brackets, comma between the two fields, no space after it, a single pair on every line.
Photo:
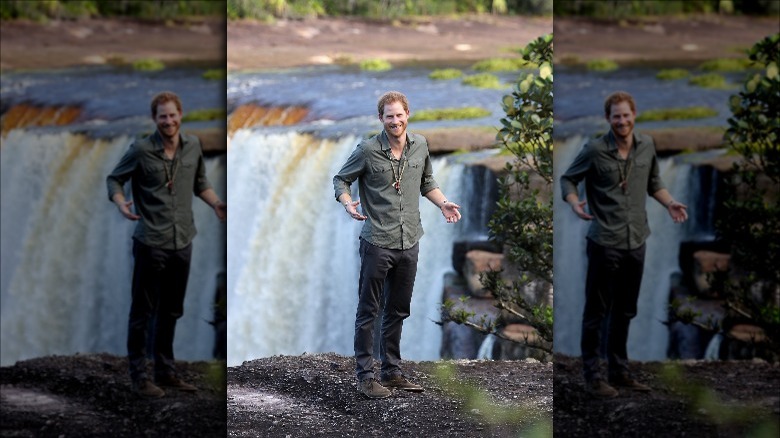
[621,119]
[168,119]
[395,119]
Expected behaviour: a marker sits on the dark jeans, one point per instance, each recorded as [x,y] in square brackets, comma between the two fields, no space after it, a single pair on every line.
[159,283]
[611,292]
[398,268]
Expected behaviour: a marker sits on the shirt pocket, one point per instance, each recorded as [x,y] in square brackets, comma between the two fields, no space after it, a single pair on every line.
[154,174]
[381,174]
[608,174]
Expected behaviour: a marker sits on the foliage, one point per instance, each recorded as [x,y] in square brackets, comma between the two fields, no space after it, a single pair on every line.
[375,64]
[204,114]
[694,112]
[502,64]
[725,65]
[483,80]
[622,9]
[215,74]
[470,112]
[381,9]
[474,401]
[74,9]
[445,74]
[148,64]
[522,222]
[672,74]
[750,217]
[709,80]
[601,65]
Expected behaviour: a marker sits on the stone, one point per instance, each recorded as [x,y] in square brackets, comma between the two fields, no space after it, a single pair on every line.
[705,264]
[478,262]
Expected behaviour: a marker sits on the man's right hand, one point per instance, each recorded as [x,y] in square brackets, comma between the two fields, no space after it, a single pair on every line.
[124,208]
[579,209]
[351,208]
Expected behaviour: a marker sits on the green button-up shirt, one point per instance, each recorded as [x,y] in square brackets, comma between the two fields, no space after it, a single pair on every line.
[166,215]
[620,217]
[393,220]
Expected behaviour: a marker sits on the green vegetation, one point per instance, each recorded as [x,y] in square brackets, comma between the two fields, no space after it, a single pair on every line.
[148,64]
[624,9]
[268,10]
[375,65]
[445,74]
[471,112]
[483,80]
[709,80]
[694,112]
[749,221]
[726,65]
[204,115]
[672,74]
[502,64]
[75,9]
[601,65]
[522,222]
[215,74]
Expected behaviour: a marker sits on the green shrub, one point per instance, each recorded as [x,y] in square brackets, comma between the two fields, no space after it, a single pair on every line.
[445,73]
[375,65]
[601,65]
[471,112]
[695,112]
[215,73]
[709,80]
[483,80]
[726,65]
[502,64]
[672,74]
[148,64]
[204,115]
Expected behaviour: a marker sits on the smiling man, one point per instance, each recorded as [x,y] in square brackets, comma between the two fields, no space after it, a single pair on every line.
[166,169]
[619,169]
[393,168]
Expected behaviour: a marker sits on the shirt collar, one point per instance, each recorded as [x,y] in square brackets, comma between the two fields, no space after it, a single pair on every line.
[612,141]
[385,142]
[158,142]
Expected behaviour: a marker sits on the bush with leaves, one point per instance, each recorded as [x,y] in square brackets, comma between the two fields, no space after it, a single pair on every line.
[522,222]
[749,222]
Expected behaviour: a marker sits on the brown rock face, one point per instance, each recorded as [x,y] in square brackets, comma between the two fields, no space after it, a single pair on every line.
[477,262]
[706,263]
[24,115]
[247,116]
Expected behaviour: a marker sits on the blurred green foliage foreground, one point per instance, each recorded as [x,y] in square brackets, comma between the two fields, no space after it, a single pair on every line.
[76,9]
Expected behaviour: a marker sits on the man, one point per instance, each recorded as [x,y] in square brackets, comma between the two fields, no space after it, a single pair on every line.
[165,169]
[619,168]
[392,168]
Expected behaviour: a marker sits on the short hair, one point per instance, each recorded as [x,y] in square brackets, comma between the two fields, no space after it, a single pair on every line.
[617,97]
[164,97]
[391,97]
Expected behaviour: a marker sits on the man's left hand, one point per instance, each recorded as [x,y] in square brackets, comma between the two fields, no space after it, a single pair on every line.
[220,209]
[678,212]
[450,212]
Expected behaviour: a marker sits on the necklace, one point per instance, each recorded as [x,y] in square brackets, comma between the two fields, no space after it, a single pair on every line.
[397,178]
[171,175]
[625,170]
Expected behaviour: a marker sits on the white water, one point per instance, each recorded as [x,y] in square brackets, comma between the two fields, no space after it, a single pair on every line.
[66,252]
[293,252]
[648,337]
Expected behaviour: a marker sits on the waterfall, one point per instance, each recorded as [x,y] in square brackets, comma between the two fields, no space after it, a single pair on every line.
[66,251]
[648,336]
[293,252]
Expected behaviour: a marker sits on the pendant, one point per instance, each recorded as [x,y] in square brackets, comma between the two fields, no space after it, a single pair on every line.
[171,190]
[397,185]
[624,186]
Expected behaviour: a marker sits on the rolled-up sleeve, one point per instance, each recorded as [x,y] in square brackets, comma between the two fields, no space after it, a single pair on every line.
[201,181]
[350,171]
[575,173]
[427,183]
[116,180]
[654,181]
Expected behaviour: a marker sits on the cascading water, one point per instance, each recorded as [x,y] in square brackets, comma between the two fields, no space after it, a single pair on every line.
[648,336]
[66,251]
[293,253]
